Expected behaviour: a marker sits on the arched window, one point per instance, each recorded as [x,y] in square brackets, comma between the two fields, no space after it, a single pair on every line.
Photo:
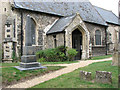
[33,33]
[97,37]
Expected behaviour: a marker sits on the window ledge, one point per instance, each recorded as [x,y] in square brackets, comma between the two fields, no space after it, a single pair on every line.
[99,46]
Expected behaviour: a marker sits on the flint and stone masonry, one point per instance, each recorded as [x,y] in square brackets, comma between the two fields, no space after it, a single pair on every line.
[85,75]
[45,20]
[103,77]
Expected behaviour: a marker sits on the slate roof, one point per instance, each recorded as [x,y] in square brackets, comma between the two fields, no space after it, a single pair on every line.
[61,24]
[85,9]
[108,16]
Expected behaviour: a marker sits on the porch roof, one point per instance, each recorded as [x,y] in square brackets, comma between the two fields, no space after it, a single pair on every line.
[85,9]
[61,24]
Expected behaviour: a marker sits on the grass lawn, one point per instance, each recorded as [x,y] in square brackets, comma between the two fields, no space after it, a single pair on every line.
[72,80]
[65,62]
[10,64]
[43,63]
[11,75]
[100,57]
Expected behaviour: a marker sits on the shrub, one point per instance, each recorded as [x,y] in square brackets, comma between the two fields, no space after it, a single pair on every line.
[62,49]
[56,54]
[40,54]
[53,55]
[50,54]
[61,56]
[41,59]
[71,54]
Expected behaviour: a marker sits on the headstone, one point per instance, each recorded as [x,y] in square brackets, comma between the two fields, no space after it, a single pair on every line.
[116,52]
[103,77]
[28,60]
[116,59]
[85,75]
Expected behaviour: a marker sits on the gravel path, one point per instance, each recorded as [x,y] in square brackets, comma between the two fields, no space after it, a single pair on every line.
[46,77]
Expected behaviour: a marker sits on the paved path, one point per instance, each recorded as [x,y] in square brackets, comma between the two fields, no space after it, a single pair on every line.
[46,77]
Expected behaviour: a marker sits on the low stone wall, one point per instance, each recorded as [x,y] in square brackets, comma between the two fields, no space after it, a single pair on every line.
[100,77]
[103,77]
[85,75]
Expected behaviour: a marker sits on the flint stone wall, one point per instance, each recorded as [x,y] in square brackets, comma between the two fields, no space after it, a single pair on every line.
[85,75]
[97,50]
[114,31]
[41,19]
[103,77]
[59,40]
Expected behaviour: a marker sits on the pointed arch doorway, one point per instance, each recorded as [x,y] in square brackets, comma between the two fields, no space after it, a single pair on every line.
[77,43]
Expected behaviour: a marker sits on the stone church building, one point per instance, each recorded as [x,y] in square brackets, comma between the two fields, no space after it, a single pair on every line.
[91,30]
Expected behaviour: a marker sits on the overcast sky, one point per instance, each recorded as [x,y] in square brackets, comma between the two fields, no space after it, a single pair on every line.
[107,4]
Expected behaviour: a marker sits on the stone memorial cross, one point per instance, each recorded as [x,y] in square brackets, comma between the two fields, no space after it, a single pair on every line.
[28,60]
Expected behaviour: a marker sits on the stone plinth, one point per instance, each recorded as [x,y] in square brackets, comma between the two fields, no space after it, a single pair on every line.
[28,60]
[31,68]
[85,75]
[103,77]
[29,65]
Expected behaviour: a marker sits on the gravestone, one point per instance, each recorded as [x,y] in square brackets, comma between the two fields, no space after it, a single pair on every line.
[116,59]
[103,77]
[28,60]
[85,75]
[116,53]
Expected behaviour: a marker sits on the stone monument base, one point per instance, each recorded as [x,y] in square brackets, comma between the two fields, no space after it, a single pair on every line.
[32,68]
[29,65]
[28,62]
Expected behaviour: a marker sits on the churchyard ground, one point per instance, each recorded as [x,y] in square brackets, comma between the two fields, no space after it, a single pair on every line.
[43,63]
[100,57]
[65,62]
[11,75]
[72,80]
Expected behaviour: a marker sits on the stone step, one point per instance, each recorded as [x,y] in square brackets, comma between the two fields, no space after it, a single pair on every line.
[30,65]
[28,58]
